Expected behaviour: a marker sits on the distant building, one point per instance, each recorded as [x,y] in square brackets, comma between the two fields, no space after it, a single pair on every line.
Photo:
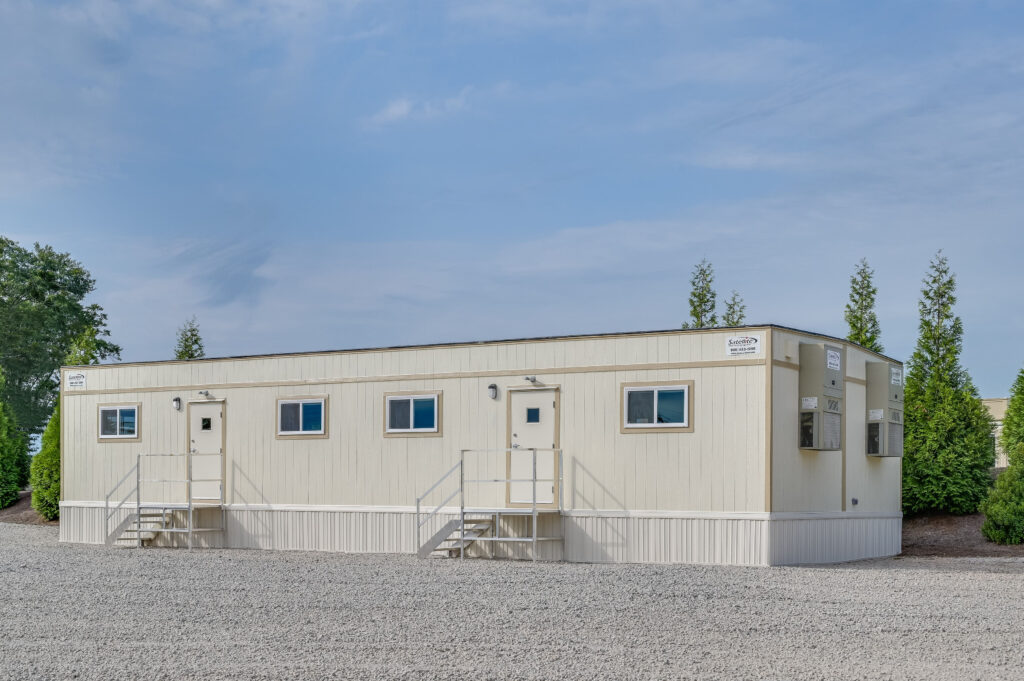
[997,408]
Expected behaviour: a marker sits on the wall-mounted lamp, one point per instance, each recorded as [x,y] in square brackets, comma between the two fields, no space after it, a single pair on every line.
[531,379]
[176,403]
[492,391]
[205,393]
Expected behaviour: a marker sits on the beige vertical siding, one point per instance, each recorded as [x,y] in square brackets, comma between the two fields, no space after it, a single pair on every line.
[718,467]
[805,480]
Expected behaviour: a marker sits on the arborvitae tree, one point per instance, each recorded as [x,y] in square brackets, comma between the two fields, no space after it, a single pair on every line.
[190,343]
[45,478]
[860,311]
[947,431]
[1004,508]
[45,474]
[735,311]
[13,455]
[1012,438]
[702,297]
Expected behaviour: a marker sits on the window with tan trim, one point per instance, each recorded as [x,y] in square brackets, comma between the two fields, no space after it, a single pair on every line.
[411,414]
[657,407]
[119,422]
[306,416]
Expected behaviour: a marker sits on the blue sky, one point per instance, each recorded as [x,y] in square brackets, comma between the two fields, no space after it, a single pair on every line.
[305,175]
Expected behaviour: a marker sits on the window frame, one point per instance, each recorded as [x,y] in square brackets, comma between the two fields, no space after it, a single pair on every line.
[119,406]
[632,428]
[436,431]
[321,434]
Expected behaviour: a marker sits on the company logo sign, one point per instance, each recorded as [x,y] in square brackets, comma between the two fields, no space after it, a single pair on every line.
[76,379]
[742,345]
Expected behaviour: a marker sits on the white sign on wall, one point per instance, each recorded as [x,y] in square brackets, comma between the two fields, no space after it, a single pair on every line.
[808,402]
[76,379]
[876,414]
[896,375]
[833,360]
[736,346]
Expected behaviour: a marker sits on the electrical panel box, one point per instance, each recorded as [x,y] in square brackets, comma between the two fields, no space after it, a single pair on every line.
[885,409]
[822,371]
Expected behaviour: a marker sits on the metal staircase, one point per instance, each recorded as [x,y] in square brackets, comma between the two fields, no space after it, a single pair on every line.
[480,526]
[144,521]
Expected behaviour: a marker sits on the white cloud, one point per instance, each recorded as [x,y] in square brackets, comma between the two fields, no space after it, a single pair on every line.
[403,108]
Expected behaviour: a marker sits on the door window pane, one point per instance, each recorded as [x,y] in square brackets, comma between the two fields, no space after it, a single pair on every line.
[206,423]
[289,417]
[532,415]
[127,424]
[671,406]
[423,413]
[108,422]
[398,414]
[312,416]
[640,406]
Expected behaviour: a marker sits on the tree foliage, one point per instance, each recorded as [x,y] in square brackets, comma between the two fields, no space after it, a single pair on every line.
[45,474]
[190,343]
[702,297]
[41,314]
[735,311]
[45,471]
[14,459]
[1012,438]
[947,429]
[860,311]
[1004,508]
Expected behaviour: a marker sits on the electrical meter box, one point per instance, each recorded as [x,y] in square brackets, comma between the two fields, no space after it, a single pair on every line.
[822,369]
[885,409]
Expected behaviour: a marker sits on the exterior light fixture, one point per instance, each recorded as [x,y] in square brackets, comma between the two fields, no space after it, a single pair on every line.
[531,379]
[176,403]
[492,391]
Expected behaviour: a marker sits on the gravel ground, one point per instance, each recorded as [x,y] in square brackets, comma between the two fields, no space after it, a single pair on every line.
[73,611]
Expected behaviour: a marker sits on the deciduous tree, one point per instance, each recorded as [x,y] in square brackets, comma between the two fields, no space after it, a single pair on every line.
[41,314]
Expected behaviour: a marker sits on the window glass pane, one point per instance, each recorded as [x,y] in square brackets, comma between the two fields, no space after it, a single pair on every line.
[671,406]
[206,423]
[532,415]
[108,422]
[127,422]
[640,406]
[423,413]
[312,416]
[398,414]
[289,417]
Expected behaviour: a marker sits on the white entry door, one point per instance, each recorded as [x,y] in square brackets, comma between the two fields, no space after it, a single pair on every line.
[533,422]
[206,435]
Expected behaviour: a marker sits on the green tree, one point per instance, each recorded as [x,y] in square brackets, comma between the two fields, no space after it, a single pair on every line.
[860,311]
[1004,508]
[702,297]
[190,343]
[735,311]
[14,460]
[45,470]
[947,452]
[41,314]
[1012,438]
[45,475]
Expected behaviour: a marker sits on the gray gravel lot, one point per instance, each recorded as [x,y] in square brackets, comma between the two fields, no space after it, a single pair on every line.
[73,611]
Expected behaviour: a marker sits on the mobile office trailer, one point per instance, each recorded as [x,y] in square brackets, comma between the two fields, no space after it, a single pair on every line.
[759,445]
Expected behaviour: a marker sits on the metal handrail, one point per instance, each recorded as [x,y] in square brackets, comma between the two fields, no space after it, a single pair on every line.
[188,481]
[423,496]
[461,466]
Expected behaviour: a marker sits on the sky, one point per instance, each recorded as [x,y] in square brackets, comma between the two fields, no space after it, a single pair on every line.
[306,175]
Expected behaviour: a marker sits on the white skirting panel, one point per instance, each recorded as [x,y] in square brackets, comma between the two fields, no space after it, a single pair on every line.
[801,541]
[641,539]
[588,537]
